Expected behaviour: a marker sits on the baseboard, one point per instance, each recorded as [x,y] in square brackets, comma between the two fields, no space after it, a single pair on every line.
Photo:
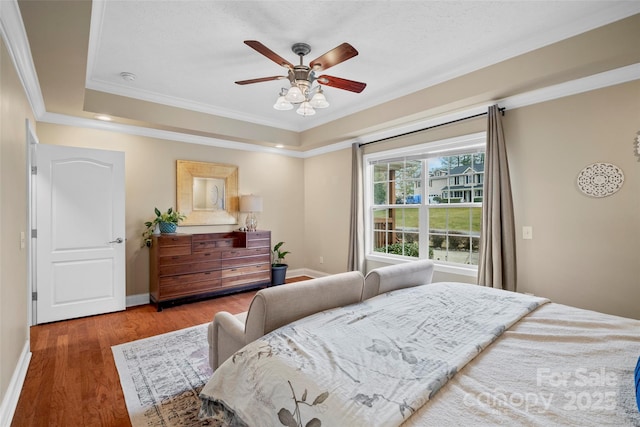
[10,400]
[306,272]
[139,299]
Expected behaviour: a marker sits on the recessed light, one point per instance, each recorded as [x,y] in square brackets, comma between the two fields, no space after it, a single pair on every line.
[103,117]
[279,146]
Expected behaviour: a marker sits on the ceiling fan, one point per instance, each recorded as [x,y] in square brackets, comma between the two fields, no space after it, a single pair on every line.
[302,77]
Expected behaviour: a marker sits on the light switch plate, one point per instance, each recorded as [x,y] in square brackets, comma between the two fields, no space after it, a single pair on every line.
[527,232]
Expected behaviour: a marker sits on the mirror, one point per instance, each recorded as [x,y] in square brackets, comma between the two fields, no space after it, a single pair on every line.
[207,193]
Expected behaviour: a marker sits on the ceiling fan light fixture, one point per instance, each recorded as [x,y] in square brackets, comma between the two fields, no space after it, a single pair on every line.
[281,103]
[319,100]
[305,109]
[306,91]
[294,95]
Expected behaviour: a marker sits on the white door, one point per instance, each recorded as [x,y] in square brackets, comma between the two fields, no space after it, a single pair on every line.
[80,253]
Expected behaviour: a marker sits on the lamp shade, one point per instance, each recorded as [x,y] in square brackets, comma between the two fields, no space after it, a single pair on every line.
[250,203]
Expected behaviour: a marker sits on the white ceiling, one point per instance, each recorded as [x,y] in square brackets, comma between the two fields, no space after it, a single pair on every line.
[188,54]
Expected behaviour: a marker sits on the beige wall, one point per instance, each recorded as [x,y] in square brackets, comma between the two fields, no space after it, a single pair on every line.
[584,250]
[14,109]
[327,211]
[150,168]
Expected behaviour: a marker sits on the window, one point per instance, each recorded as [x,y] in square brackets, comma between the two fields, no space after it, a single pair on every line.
[426,202]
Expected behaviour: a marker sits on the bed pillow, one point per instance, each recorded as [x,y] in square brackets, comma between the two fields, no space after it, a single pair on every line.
[637,382]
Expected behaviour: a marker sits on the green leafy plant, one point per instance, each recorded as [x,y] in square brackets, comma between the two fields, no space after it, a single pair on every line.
[169,216]
[279,254]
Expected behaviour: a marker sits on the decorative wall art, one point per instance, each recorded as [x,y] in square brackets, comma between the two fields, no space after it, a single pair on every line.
[207,193]
[600,179]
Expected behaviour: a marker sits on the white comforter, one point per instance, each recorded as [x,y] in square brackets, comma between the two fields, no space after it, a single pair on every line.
[370,364]
[558,366]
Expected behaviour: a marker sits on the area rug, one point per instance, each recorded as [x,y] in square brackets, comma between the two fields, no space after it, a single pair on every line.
[161,377]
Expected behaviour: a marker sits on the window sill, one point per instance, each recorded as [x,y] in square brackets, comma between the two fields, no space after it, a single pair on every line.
[444,267]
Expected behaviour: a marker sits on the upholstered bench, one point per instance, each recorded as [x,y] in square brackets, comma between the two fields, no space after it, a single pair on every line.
[392,277]
[277,306]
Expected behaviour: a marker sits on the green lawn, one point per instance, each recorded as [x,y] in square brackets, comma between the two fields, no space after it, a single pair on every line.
[452,218]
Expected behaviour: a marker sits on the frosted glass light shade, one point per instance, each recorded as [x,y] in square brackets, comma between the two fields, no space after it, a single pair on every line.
[282,104]
[319,100]
[294,95]
[306,109]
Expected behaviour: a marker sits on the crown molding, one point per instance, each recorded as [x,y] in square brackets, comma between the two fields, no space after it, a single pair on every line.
[13,32]
[15,37]
[63,119]
[612,13]
[574,87]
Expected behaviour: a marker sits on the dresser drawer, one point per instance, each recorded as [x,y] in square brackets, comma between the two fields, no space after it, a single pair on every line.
[247,279]
[239,252]
[168,251]
[239,271]
[188,259]
[188,279]
[247,261]
[174,239]
[168,270]
[212,244]
[179,289]
[255,235]
[259,243]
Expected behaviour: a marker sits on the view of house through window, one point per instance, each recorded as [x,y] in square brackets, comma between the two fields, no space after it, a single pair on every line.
[427,205]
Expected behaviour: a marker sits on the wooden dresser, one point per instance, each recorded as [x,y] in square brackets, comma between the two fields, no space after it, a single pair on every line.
[186,267]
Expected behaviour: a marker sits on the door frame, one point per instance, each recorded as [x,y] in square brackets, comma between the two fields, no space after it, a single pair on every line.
[32,142]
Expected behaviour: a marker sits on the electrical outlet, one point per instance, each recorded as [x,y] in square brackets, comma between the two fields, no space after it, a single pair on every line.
[23,241]
[321,260]
[527,232]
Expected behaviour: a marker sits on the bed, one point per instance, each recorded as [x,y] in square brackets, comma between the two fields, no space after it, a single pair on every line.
[438,354]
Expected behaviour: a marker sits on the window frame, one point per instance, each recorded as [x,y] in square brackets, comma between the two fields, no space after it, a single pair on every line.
[475,142]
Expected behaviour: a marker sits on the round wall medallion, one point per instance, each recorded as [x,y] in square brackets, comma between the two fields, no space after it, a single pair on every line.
[600,179]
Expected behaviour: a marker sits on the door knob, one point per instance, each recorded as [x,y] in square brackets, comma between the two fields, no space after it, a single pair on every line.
[118,240]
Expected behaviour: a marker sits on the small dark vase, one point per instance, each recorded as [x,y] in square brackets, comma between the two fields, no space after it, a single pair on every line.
[278,274]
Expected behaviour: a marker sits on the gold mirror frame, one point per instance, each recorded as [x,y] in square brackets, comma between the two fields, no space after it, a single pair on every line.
[224,212]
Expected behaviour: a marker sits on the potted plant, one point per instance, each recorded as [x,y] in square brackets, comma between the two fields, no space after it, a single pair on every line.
[167,223]
[278,267]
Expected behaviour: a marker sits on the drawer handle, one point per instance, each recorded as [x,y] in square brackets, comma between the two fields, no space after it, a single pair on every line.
[207,273]
[174,257]
[207,254]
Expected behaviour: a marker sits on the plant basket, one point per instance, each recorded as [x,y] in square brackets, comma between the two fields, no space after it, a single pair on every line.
[167,227]
[278,274]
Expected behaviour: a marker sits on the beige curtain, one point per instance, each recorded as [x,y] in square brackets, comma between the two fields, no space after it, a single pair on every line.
[497,265]
[356,228]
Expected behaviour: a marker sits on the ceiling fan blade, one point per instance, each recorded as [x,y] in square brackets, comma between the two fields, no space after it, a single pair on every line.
[340,83]
[333,57]
[260,48]
[261,79]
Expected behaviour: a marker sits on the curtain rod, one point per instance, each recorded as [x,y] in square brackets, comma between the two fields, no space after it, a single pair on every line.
[430,127]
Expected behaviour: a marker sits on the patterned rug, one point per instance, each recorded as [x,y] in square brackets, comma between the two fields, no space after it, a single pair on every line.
[161,377]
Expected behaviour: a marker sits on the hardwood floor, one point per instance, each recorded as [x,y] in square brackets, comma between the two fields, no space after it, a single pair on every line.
[72,379]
